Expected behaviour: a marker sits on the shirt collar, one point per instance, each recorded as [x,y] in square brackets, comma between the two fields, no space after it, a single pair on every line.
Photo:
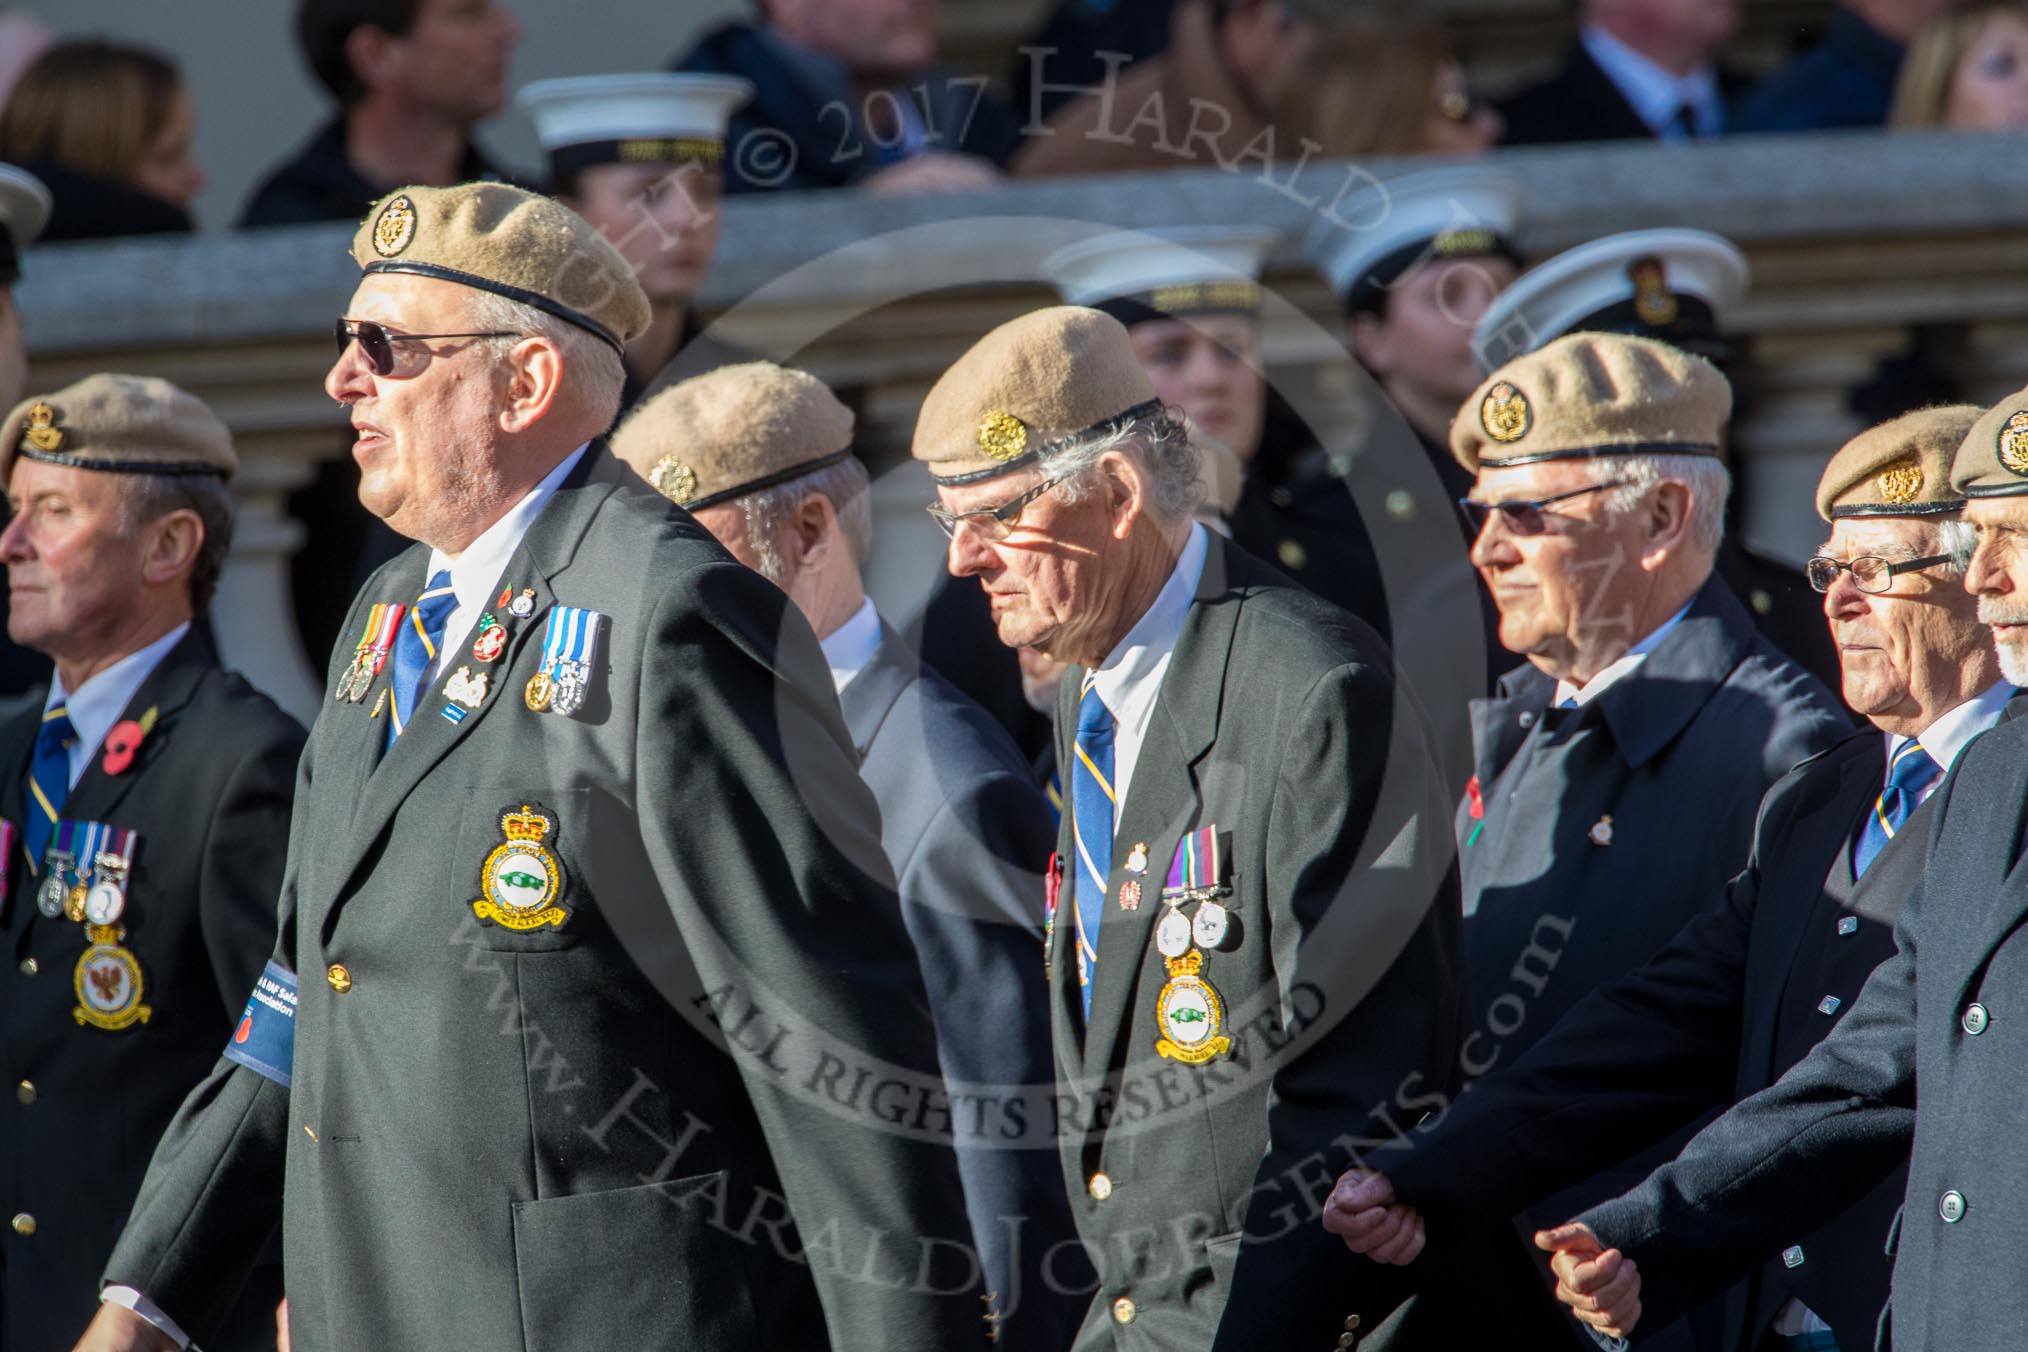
[1631,658]
[1952,733]
[850,647]
[485,559]
[1655,94]
[1142,652]
[97,704]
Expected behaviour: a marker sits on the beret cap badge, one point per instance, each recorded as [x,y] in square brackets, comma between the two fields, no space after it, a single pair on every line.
[1002,436]
[42,433]
[1901,482]
[673,479]
[2013,445]
[1505,414]
[394,230]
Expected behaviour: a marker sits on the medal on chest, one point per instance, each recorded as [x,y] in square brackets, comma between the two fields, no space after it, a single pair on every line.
[108,982]
[369,655]
[1188,1010]
[106,900]
[522,878]
[56,868]
[569,652]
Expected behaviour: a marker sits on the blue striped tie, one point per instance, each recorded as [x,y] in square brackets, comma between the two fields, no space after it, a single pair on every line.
[415,647]
[48,782]
[1912,771]
[1091,829]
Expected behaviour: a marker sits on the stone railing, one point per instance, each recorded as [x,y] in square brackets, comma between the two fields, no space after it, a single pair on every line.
[1856,240]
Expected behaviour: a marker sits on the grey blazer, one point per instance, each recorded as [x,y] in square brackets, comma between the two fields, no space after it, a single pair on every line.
[538,1139]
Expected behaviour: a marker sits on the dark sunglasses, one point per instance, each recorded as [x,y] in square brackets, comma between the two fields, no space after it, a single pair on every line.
[1521,518]
[376,344]
[1870,573]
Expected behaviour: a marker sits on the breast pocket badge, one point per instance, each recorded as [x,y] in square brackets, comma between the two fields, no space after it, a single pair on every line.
[522,879]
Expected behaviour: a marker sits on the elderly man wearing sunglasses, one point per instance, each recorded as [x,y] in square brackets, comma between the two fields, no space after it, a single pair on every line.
[1617,774]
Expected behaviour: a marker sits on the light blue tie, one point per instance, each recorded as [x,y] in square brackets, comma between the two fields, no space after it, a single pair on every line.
[48,782]
[1091,829]
[415,647]
[1913,771]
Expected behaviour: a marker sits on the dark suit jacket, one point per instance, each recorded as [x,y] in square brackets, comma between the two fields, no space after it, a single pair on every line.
[538,1139]
[1279,723]
[1734,1000]
[1936,1012]
[318,183]
[208,792]
[1580,102]
[968,833]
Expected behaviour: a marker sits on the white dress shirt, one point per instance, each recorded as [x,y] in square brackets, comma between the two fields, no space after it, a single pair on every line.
[475,574]
[1657,95]
[475,577]
[1130,678]
[97,704]
[849,647]
[1628,661]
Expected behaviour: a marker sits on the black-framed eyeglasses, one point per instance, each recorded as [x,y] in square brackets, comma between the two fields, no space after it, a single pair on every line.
[1870,573]
[1520,518]
[991,523]
[376,344]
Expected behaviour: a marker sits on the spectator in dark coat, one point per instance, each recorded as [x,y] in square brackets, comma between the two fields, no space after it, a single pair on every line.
[1847,79]
[411,78]
[848,94]
[1641,69]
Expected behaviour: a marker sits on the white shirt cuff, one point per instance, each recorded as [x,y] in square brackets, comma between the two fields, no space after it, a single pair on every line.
[128,1298]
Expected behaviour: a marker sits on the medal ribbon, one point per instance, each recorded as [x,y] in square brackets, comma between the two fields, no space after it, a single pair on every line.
[89,836]
[1196,865]
[382,624]
[60,842]
[120,845]
[553,638]
[573,638]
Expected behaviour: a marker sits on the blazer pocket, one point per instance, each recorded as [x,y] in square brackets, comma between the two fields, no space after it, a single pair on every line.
[631,1267]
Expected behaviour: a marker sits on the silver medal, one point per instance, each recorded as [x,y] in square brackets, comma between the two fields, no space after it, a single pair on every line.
[1208,926]
[105,902]
[570,681]
[1172,934]
[49,897]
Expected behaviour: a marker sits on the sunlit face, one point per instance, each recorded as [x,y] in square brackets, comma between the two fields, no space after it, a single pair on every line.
[424,436]
[74,571]
[1989,88]
[664,219]
[871,37]
[1897,648]
[1056,579]
[1567,593]
[454,57]
[170,170]
[1210,367]
[1998,576]
[1424,339]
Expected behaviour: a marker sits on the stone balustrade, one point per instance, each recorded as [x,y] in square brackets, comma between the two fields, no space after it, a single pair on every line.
[1857,240]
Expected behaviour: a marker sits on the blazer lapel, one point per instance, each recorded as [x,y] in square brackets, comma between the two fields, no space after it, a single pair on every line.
[97,795]
[545,551]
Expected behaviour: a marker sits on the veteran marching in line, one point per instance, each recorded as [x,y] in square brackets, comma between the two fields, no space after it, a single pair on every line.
[646,948]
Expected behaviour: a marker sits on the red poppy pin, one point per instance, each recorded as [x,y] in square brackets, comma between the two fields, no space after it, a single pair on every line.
[124,740]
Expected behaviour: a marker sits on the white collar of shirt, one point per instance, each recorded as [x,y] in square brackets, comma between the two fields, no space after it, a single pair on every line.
[97,704]
[1655,94]
[850,647]
[1131,676]
[1951,734]
[476,573]
[1633,657]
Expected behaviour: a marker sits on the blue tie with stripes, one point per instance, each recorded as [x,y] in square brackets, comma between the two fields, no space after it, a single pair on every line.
[48,781]
[1913,770]
[1091,829]
[415,647]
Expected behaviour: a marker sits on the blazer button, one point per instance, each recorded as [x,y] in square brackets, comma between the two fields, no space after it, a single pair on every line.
[25,1091]
[1792,1256]
[1124,1311]
[24,1224]
[1975,1019]
[29,967]
[340,979]
[1346,1340]
[1100,1187]
[1952,1207]
[1351,1323]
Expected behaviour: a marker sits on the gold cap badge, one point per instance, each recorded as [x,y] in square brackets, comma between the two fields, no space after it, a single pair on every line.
[42,432]
[1002,436]
[2014,444]
[1505,414]
[673,479]
[1901,482]
[395,228]
[1654,302]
